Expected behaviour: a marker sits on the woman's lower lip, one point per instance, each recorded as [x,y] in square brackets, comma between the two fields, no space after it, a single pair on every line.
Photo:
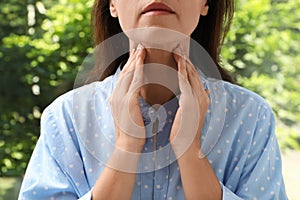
[158,12]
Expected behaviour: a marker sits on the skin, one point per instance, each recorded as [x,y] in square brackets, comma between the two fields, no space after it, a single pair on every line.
[198,178]
[184,20]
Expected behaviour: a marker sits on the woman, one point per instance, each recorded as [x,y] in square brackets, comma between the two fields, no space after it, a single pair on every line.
[134,135]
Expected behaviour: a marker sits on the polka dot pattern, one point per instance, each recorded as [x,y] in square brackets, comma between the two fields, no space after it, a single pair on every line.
[78,136]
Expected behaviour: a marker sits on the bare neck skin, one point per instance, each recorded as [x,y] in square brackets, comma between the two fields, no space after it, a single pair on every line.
[158,93]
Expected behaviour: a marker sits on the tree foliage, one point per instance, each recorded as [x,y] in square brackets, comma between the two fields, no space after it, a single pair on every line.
[43,43]
[41,49]
[263,51]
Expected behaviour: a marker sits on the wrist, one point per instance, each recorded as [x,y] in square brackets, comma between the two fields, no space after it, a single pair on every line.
[129,147]
[193,151]
[124,161]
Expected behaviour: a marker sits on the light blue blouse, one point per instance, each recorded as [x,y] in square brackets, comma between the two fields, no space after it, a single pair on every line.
[78,135]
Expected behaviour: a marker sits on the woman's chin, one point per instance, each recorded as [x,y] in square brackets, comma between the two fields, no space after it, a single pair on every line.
[156,37]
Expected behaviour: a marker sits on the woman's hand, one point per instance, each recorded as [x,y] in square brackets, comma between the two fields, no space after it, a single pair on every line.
[198,178]
[125,104]
[193,105]
[118,177]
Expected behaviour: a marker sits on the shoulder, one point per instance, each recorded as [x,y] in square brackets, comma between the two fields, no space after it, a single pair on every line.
[237,111]
[241,98]
[73,114]
[249,113]
[69,113]
[236,91]
[73,99]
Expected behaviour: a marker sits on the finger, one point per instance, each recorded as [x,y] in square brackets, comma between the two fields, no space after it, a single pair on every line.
[138,70]
[135,87]
[134,57]
[199,92]
[123,83]
[131,51]
[194,77]
[184,85]
[126,74]
[181,64]
[129,61]
[125,68]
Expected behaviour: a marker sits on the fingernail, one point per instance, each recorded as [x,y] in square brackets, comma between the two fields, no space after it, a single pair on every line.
[182,52]
[177,50]
[132,51]
[139,47]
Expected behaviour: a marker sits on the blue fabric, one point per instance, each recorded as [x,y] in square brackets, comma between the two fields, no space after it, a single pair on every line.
[78,136]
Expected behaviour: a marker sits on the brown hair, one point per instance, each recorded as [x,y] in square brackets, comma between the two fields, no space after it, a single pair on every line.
[209,33]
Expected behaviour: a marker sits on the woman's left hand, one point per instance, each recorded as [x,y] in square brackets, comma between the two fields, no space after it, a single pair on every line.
[193,105]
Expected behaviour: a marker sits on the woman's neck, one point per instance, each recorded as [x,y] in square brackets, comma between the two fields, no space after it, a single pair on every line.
[157,65]
[161,57]
[160,74]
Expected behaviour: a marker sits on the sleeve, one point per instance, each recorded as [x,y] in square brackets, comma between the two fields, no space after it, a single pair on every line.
[261,177]
[46,176]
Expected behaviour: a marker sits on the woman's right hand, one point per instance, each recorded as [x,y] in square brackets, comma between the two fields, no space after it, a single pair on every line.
[118,178]
[125,104]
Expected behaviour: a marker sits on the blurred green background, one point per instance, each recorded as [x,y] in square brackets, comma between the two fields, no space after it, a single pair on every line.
[43,43]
